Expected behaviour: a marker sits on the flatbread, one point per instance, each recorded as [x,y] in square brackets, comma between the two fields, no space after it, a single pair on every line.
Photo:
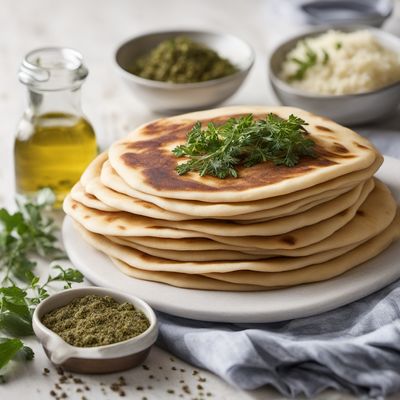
[189,255]
[272,227]
[93,169]
[196,244]
[211,255]
[125,224]
[282,225]
[145,162]
[78,193]
[314,273]
[371,218]
[185,281]
[131,205]
[119,201]
[380,202]
[319,271]
[322,191]
[141,260]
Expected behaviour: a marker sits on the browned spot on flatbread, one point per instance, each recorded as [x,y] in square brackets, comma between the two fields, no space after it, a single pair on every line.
[143,204]
[74,206]
[86,216]
[361,146]
[289,239]
[323,128]
[361,213]
[336,151]
[123,228]
[340,148]
[90,196]
[154,159]
[163,227]
[157,127]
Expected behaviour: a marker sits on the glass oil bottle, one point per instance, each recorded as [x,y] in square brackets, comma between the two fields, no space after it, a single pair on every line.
[54,142]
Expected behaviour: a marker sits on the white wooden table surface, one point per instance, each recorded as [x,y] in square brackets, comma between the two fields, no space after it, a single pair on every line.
[95,27]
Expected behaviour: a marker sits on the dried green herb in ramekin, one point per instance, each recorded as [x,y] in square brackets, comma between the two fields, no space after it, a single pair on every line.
[181,60]
[93,320]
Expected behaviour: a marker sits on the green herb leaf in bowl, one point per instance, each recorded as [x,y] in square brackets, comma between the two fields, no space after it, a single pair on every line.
[310,60]
[182,60]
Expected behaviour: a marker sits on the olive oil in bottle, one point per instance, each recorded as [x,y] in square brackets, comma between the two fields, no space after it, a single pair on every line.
[54,142]
[59,149]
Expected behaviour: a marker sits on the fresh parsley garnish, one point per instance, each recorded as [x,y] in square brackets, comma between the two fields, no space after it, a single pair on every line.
[338,45]
[28,232]
[25,232]
[218,150]
[311,59]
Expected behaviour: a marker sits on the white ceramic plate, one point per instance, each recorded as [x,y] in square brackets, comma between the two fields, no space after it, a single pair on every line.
[268,306]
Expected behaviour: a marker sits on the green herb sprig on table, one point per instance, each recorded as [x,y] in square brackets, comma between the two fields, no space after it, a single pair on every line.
[218,150]
[26,233]
[311,59]
[23,233]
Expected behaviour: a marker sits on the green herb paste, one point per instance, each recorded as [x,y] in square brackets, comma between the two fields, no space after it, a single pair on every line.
[96,321]
[181,60]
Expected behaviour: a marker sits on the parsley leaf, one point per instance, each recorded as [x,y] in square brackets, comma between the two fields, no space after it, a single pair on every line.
[310,59]
[218,150]
[9,349]
[17,304]
[15,313]
[68,276]
[13,349]
[27,231]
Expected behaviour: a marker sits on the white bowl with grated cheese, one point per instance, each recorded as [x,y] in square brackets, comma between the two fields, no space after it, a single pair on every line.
[350,74]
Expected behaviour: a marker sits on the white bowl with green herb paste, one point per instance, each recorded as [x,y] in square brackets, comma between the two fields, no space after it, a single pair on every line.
[350,74]
[95,330]
[175,71]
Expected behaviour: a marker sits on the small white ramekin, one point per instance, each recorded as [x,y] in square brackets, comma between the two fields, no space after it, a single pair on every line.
[94,360]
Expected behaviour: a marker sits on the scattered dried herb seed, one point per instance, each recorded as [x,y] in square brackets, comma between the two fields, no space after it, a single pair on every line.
[186,389]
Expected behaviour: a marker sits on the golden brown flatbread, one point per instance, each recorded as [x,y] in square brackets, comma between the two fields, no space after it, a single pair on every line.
[145,162]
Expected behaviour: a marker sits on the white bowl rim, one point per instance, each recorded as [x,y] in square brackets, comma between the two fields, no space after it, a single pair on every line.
[191,85]
[314,31]
[130,346]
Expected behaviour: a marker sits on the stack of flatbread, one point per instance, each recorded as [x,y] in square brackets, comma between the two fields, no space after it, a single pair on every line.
[272,227]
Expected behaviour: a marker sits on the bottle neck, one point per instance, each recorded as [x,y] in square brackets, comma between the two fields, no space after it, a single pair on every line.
[66,101]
